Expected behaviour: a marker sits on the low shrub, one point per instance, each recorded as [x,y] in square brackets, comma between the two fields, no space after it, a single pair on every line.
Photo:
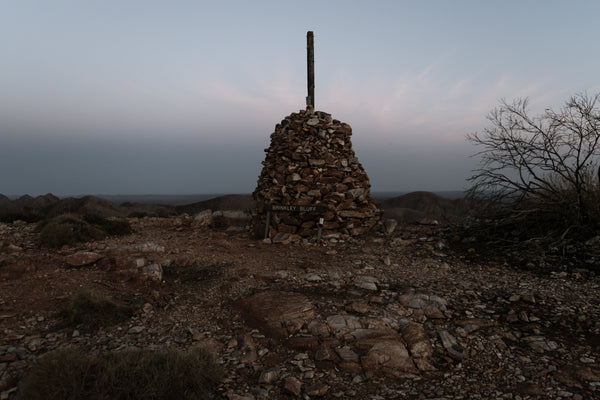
[70,229]
[67,230]
[163,213]
[138,214]
[90,311]
[71,374]
[12,216]
[113,227]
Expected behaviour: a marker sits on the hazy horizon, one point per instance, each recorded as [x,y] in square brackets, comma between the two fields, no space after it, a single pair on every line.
[183,198]
[152,97]
[173,195]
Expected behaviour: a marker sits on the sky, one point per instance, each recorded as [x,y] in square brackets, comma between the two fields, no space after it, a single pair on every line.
[180,97]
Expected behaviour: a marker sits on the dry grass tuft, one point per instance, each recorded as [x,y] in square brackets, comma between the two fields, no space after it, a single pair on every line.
[90,311]
[71,374]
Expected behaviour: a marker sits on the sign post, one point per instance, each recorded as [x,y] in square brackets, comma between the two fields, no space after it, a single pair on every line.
[310,63]
[295,208]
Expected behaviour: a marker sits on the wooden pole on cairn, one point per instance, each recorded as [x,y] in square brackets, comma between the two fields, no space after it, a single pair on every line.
[310,61]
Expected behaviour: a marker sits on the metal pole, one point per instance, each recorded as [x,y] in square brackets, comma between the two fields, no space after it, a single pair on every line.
[310,61]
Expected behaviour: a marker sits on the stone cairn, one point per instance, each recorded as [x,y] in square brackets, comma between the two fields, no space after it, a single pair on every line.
[310,162]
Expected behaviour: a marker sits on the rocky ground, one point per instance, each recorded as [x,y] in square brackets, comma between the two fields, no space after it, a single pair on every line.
[403,316]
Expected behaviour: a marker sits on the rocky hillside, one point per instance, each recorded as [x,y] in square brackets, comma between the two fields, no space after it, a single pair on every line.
[404,315]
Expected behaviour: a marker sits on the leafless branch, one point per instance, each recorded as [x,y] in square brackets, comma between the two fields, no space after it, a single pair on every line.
[548,159]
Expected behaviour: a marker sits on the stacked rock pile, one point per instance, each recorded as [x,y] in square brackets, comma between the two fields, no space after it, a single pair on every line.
[310,162]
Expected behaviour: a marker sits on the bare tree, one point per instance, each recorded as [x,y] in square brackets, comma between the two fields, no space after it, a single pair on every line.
[541,164]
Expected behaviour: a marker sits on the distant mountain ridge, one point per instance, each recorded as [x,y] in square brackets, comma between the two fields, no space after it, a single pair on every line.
[416,206]
[185,199]
[162,199]
[409,208]
[31,209]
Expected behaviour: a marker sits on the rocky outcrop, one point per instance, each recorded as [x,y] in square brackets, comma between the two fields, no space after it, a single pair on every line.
[310,162]
[369,345]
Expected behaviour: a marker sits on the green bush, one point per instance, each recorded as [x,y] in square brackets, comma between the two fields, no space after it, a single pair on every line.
[70,229]
[90,310]
[71,374]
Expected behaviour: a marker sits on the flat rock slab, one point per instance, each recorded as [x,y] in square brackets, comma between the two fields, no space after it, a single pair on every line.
[366,282]
[82,258]
[432,306]
[148,247]
[277,314]
[343,324]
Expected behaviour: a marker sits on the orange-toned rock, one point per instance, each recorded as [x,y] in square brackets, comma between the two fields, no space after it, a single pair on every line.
[277,314]
[293,386]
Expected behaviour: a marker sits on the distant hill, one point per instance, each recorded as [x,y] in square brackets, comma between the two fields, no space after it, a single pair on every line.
[163,199]
[4,201]
[410,207]
[32,209]
[447,194]
[227,202]
[415,206]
